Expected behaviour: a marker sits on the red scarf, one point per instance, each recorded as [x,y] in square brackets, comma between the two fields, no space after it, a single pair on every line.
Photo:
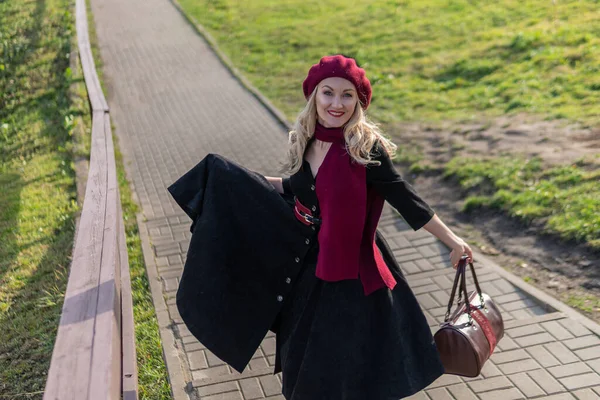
[350,213]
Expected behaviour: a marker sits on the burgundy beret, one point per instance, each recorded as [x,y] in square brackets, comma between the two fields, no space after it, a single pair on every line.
[339,66]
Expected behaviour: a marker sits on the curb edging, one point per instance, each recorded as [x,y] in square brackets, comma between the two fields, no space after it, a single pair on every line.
[539,295]
[167,337]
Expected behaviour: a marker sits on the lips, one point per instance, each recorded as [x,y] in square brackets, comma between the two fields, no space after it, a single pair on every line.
[336,114]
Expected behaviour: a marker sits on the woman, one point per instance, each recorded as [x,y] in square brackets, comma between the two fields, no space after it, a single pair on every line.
[333,341]
[347,325]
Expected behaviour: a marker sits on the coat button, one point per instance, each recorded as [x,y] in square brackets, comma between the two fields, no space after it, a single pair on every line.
[280,298]
[307,241]
[297,259]
[288,280]
[312,187]
[312,227]
[314,208]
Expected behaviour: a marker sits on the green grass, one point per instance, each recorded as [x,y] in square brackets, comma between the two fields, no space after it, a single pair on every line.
[37,187]
[588,303]
[44,126]
[426,59]
[565,199]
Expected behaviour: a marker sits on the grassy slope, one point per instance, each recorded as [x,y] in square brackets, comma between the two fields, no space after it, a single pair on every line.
[43,108]
[439,60]
[427,59]
[38,194]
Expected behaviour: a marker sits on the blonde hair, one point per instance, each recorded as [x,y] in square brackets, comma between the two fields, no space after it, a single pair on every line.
[360,135]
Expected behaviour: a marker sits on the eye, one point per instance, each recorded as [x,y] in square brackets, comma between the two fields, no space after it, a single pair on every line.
[327,93]
[349,95]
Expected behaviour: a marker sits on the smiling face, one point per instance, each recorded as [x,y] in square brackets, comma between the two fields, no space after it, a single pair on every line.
[336,100]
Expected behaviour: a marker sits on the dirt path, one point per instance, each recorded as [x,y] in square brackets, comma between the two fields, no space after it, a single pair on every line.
[569,272]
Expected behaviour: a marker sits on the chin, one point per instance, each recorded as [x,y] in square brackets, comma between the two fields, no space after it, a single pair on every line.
[335,123]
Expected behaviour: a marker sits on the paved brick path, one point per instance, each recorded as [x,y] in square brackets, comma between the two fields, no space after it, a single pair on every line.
[173,102]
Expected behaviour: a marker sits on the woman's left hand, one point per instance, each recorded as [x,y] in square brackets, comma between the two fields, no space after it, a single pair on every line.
[459,248]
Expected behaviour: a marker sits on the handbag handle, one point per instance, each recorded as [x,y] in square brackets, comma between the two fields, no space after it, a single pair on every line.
[460,282]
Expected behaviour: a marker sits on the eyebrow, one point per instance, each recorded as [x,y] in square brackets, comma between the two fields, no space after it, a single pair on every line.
[346,90]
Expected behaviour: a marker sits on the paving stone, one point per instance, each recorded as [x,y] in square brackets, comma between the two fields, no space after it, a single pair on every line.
[507,343]
[268,346]
[526,385]
[546,381]
[197,360]
[588,353]
[171,284]
[574,327]
[524,331]
[409,268]
[504,286]
[569,369]
[258,364]
[444,282]
[559,351]
[424,265]
[499,382]
[503,394]
[557,330]
[445,380]
[560,396]
[581,381]
[439,394]
[581,342]
[212,372]
[415,283]
[424,240]
[427,251]
[508,356]
[542,356]
[518,366]
[461,392]
[408,257]
[489,369]
[532,340]
[425,289]
[507,298]
[419,396]
[401,242]
[251,389]
[518,305]
[213,360]
[217,388]
[406,251]
[585,394]
[270,385]
[595,365]
[225,396]
[426,301]
[195,346]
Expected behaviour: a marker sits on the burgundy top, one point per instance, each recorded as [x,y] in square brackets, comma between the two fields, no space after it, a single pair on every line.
[350,212]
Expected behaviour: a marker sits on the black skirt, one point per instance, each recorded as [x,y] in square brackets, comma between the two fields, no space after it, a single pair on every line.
[335,343]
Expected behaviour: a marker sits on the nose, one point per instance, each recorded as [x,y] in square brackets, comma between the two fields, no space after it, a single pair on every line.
[336,103]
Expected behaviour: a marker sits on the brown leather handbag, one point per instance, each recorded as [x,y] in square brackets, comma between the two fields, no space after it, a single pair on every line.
[469,335]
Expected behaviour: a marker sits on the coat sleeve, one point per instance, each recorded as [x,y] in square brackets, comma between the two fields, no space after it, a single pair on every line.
[396,191]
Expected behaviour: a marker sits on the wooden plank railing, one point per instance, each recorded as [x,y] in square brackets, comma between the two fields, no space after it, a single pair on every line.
[94,354]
